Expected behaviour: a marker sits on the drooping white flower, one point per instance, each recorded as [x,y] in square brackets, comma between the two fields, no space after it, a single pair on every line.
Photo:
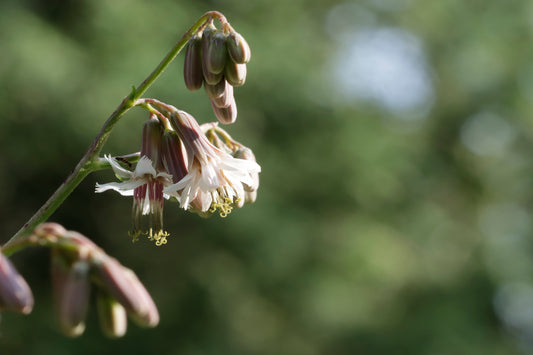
[146,186]
[215,179]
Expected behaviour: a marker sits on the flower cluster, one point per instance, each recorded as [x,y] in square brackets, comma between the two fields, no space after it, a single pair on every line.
[204,169]
[217,59]
[183,161]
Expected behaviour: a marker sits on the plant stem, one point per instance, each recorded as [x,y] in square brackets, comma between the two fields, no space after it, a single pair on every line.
[90,161]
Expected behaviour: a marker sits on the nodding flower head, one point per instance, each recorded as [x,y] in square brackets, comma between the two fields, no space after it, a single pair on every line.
[215,179]
[146,184]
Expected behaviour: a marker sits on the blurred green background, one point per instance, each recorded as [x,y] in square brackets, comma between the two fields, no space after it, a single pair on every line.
[395,138]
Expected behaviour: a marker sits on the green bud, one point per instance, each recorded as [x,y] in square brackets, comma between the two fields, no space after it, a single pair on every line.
[192,69]
[238,48]
[210,77]
[112,316]
[235,73]
[215,57]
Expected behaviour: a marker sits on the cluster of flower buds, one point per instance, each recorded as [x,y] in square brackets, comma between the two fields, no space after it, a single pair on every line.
[15,294]
[78,264]
[217,59]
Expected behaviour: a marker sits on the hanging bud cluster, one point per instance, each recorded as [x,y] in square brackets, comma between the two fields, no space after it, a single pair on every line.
[77,266]
[217,60]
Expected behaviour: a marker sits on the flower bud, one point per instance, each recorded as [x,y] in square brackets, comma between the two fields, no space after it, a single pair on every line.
[151,141]
[49,229]
[221,98]
[112,316]
[174,155]
[210,77]
[71,292]
[238,48]
[226,115]
[151,317]
[192,68]
[15,294]
[235,73]
[217,90]
[216,54]
[128,291]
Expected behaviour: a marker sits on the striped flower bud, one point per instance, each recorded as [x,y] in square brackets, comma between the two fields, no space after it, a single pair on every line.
[235,73]
[210,77]
[221,95]
[226,115]
[216,54]
[112,315]
[238,49]
[128,291]
[192,68]
[71,292]
[217,90]
[15,294]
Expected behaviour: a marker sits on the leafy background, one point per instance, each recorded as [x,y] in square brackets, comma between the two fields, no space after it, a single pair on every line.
[394,211]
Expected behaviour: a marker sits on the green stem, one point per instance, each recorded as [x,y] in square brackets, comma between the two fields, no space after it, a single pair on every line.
[90,161]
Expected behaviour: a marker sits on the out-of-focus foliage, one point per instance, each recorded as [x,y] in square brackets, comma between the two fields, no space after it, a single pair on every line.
[394,213]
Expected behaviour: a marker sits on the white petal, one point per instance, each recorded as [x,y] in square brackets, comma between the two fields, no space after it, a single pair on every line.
[119,170]
[144,167]
[117,186]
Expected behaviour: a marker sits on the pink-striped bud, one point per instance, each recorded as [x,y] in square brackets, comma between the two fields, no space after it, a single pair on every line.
[192,68]
[15,294]
[123,285]
[71,287]
[226,115]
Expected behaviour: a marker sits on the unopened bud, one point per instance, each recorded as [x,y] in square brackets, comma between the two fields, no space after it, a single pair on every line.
[225,98]
[235,73]
[49,229]
[15,294]
[174,155]
[216,54]
[151,141]
[226,115]
[128,291]
[151,317]
[192,68]
[217,90]
[71,292]
[238,49]
[210,77]
[112,316]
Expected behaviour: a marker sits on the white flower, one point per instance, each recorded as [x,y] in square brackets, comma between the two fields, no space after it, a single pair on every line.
[215,179]
[146,185]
